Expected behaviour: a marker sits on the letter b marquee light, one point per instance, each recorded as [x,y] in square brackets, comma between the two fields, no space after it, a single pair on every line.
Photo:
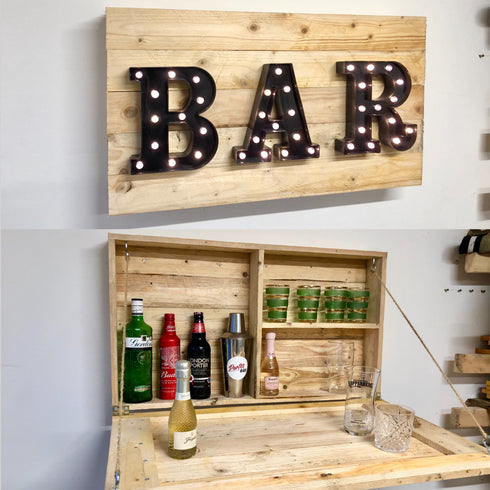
[156,119]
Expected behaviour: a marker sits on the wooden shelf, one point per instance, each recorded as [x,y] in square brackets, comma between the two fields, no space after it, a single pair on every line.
[477,263]
[460,419]
[472,363]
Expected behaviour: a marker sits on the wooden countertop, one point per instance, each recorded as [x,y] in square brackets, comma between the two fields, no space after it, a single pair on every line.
[293,446]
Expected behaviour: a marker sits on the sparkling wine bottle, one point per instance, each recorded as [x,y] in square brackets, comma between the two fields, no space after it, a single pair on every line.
[199,355]
[137,357]
[169,355]
[182,422]
[269,369]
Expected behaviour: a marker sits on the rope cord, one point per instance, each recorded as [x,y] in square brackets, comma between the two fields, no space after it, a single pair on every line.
[486,439]
[117,473]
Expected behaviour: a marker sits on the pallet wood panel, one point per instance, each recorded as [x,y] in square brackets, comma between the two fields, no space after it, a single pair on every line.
[232,47]
[314,452]
[218,278]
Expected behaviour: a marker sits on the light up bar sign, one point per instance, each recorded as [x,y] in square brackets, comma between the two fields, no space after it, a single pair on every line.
[277,92]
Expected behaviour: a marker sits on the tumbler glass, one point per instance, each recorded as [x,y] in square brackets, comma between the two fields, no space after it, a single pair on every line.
[308,302]
[277,299]
[359,400]
[335,300]
[393,427]
[357,304]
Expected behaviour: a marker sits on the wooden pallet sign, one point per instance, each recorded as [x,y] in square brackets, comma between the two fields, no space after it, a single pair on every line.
[209,108]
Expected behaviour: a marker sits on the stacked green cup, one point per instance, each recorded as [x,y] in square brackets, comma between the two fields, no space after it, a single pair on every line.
[277,298]
[308,302]
[357,304]
[335,301]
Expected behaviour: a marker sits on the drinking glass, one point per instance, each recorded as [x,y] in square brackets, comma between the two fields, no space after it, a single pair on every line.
[393,427]
[340,357]
[359,400]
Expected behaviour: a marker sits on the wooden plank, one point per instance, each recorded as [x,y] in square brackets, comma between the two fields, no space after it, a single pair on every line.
[472,363]
[187,29]
[322,177]
[460,418]
[241,69]
[231,455]
[122,146]
[232,108]
[477,263]
[136,457]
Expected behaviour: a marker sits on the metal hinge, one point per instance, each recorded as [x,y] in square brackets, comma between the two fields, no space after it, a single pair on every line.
[115,410]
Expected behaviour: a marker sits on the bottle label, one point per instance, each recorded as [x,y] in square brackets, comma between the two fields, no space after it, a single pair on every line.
[183,396]
[271,383]
[237,367]
[143,342]
[142,388]
[168,357]
[185,440]
[200,374]
[198,328]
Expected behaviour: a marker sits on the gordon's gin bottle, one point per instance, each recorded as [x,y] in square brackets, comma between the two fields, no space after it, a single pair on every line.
[137,357]
[169,355]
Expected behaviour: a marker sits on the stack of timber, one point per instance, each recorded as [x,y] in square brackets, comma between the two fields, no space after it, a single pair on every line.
[478,363]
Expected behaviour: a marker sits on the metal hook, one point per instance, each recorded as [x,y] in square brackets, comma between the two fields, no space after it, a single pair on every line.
[126,248]
[486,443]
[116,478]
[373,265]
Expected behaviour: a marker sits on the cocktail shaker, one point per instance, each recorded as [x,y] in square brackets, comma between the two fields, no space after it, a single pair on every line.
[235,349]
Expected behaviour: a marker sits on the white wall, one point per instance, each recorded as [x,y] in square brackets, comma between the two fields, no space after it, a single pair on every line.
[56,407]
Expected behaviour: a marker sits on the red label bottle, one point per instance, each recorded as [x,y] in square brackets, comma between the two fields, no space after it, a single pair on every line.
[169,355]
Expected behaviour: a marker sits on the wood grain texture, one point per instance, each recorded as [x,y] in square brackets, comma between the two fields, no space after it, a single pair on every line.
[218,278]
[303,447]
[232,47]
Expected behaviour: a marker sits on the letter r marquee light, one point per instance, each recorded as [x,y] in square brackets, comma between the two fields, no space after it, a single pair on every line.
[361,108]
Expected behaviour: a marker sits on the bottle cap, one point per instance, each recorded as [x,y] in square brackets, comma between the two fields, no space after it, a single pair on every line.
[236,323]
[182,369]
[169,318]
[136,306]
[198,317]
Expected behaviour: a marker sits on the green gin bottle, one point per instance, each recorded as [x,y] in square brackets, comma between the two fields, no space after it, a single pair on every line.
[137,357]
